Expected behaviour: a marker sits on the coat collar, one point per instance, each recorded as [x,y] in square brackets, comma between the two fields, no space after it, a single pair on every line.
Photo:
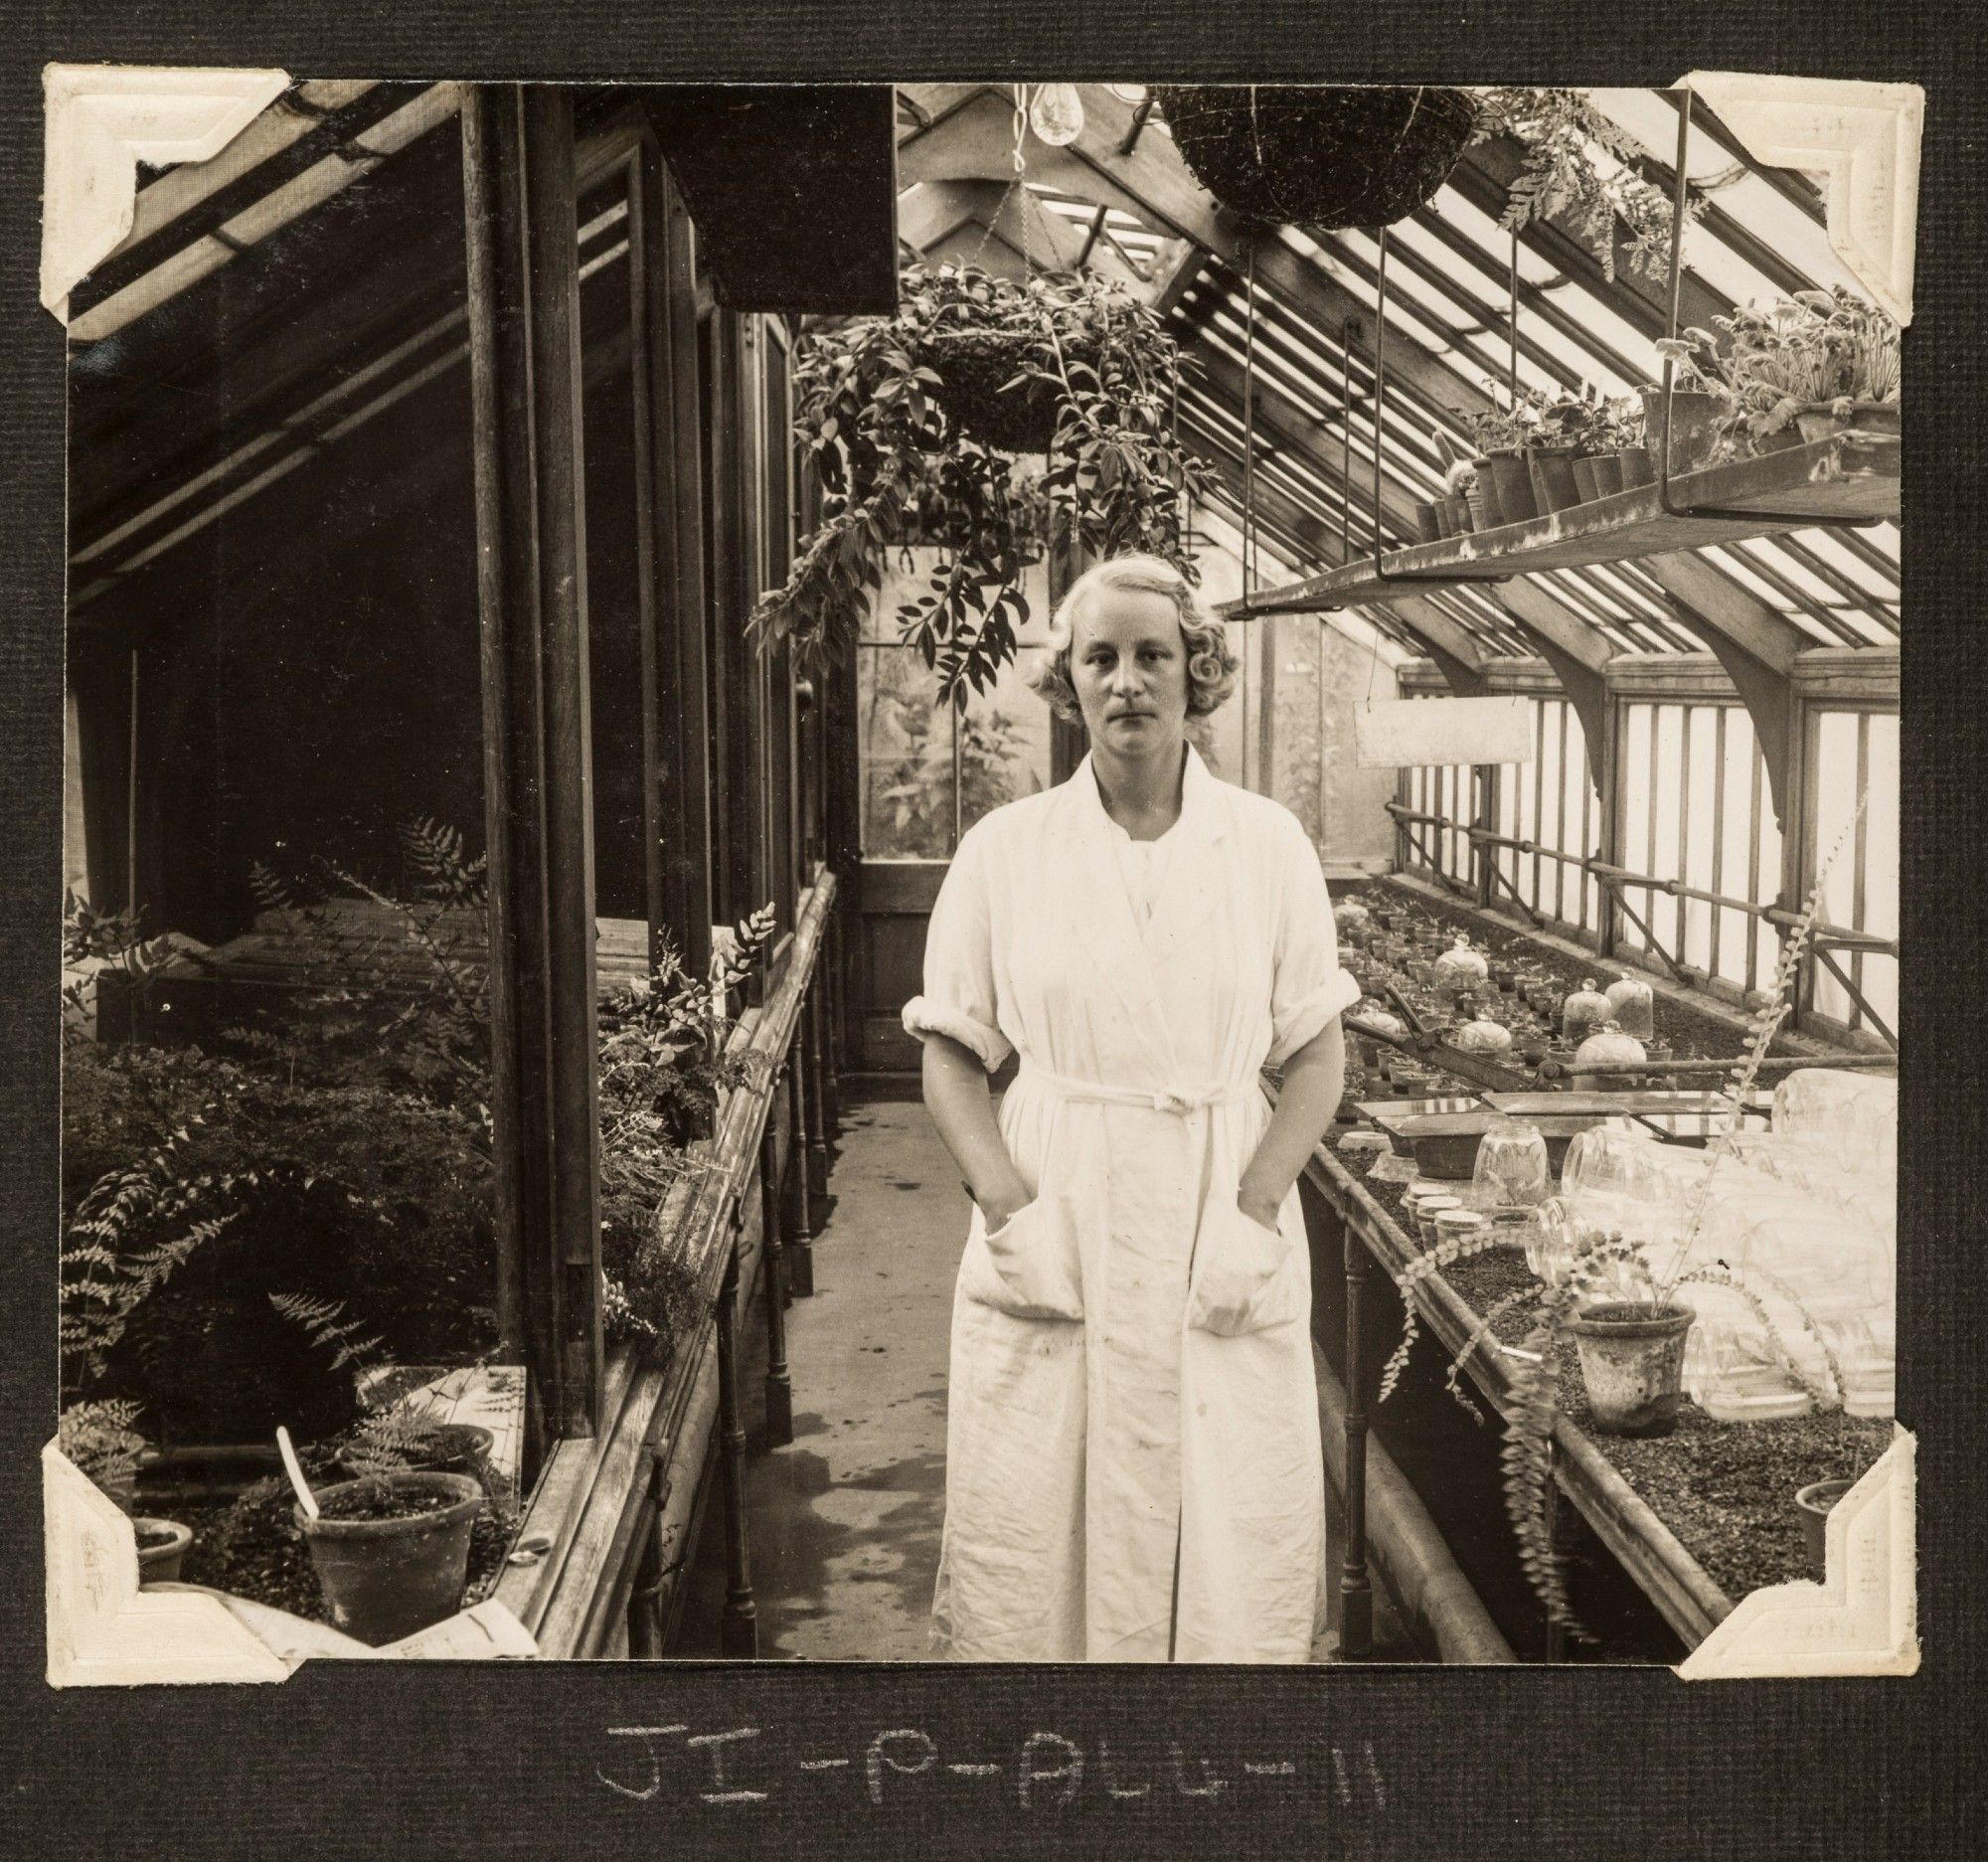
[1099,910]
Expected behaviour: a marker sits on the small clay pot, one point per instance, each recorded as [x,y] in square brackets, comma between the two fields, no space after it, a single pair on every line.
[1553,479]
[1693,425]
[1428,527]
[1583,478]
[159,1563]
[1632,1363]
[1607,473]
[1512,486]
[1814,1502]
[1490,514]
[1637,467]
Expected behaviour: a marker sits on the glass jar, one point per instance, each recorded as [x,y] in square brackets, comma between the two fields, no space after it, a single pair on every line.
[1427,1209]
[1511,1170]
[1632,1007]
[1610,1046]
[1581,1013]
[1480,1035]
[1460,1226]
[1457,969]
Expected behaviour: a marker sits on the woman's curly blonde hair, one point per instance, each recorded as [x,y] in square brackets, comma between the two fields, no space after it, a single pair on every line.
[1211,666]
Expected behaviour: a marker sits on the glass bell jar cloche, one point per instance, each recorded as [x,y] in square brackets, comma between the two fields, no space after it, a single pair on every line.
[1581,1013]
[1459,969]
[1512,1170]
[1607,1046]
[1476,1033]
[1632,1005]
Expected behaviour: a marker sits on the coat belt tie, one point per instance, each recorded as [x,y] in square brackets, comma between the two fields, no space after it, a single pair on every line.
[1180,1100]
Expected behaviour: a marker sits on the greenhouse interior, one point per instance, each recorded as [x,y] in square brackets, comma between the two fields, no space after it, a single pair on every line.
[557,574]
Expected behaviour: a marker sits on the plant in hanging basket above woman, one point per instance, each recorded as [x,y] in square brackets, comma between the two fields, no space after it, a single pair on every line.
[1133,1468]
[912,424]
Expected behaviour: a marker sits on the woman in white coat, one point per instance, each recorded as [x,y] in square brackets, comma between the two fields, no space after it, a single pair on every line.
[1133,1468]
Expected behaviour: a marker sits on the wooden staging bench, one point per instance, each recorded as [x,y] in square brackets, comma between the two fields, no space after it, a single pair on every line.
[1688,1599]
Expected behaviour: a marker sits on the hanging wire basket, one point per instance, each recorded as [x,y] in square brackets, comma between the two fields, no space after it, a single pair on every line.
[1319,155]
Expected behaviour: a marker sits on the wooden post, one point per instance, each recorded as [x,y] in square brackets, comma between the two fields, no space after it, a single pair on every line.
[816,1023]
[675,447]
[1356,1587]
[738,1631]
[524,312]
[796,1203]
[773,1269]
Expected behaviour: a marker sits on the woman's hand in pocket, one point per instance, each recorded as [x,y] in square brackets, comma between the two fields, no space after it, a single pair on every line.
[1000,1208]
[1260,1209]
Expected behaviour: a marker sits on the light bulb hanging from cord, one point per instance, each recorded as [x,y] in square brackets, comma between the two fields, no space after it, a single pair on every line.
[1056,114]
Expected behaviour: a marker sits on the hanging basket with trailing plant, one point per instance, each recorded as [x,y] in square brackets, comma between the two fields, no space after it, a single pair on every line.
[1319,155]
[914,425]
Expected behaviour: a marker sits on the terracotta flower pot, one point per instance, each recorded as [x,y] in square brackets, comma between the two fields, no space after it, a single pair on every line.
[1632,1363]
[1473,500]
[1459,515]
[1427,525]
[1487,496]
[159,1562]
[1638,467]
[1814,1502]
[1553,479]
[1445,517]
[1585,479]
[384,1577]
[1693,425]
[1607,473]
[1512,486]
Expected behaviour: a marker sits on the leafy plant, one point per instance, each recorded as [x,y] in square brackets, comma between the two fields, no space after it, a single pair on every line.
[1814,352]
[103,1442]
[1579,168]
[897,465]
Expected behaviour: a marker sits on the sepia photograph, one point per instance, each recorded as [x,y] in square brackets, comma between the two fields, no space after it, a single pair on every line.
[980,873]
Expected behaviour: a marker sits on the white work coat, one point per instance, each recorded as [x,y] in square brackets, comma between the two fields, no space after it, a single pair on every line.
[1133,1468]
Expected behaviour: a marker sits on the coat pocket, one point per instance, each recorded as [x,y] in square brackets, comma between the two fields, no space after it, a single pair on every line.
[1240,1273]
[1028,1267]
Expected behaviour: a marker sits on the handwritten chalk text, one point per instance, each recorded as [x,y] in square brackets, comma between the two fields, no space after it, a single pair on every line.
[1043,1772]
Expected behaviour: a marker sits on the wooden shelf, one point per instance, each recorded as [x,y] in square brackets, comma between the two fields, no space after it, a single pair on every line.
[1850,475]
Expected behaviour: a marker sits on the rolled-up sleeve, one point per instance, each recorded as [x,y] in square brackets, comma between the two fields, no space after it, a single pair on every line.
[958,1000]
[1308,988]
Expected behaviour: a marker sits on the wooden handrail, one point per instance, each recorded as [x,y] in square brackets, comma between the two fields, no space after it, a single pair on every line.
[594,1491]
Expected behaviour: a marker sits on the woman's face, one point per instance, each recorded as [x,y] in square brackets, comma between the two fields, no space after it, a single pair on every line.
[1128,663]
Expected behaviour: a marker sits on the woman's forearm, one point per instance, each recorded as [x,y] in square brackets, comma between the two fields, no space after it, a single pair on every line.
[956,1096]
[1315,1081]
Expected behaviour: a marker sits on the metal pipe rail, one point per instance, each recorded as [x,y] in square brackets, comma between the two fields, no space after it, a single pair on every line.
[1606,873]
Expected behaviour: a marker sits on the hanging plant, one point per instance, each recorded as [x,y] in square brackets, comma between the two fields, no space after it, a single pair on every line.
[914,422]
[1319,155]
[1558,178]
